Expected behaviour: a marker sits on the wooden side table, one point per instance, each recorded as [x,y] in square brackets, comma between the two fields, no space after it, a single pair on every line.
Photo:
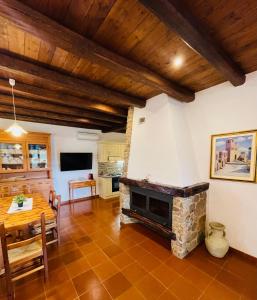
[78,184]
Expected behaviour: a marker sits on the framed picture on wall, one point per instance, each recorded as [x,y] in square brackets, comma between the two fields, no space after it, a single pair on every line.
[233,156]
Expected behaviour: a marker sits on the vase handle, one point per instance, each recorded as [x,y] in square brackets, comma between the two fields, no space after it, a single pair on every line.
[224,233]
[210,232]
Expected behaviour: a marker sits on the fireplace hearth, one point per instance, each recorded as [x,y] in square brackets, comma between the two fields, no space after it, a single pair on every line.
[152,205]
[177,213]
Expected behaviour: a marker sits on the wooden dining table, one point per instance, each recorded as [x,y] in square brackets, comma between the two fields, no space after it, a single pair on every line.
[18,219]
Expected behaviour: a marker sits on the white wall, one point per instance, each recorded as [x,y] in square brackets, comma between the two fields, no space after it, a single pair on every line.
[222,109]
[63,140]
[161,147]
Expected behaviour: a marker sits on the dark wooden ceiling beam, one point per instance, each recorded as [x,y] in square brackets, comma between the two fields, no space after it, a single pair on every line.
[48,30]
[178,18]
[23,68]
[62,99]
[55,116]
[71,111]
[5,115]
[121,129]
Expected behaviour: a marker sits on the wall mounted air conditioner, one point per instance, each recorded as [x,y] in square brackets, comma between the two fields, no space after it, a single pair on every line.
[88,136]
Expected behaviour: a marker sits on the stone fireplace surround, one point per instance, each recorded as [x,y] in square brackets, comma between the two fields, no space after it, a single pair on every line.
[188,213]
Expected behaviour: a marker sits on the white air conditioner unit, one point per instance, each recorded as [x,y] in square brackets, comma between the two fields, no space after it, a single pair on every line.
[88,136]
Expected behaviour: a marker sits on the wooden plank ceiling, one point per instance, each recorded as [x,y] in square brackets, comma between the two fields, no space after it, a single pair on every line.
[82,63]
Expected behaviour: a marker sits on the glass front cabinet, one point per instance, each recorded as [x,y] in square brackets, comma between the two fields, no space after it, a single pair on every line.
[12,157]
[37,156]
[23,156]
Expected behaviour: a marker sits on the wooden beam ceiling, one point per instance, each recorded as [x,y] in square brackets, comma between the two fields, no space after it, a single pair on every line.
[48,30]
[179,19]
[33,119]
[56,97]
[58,109]
[23,68]
[54,116]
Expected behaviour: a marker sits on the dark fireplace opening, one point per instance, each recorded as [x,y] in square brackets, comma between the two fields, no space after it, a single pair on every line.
[153,205]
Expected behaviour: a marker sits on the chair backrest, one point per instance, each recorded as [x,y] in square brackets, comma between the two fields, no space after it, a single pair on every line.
[52,196]
[56,206]
[6,247]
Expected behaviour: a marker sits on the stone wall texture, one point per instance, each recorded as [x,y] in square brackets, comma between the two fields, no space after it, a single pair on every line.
[188,223]
[124,189]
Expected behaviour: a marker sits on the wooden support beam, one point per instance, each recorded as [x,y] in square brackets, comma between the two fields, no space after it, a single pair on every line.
[48,30]
[23,68]
[54,116]
[121,129]
[49,121]
[56,97]
[178,18]
[72,111]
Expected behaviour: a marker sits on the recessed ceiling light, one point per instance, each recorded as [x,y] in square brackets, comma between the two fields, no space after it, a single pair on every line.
[178,61]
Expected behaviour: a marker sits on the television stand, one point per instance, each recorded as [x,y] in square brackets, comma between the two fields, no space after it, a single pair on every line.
[78,184]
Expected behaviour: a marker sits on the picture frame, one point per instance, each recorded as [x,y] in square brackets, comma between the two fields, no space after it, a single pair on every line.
[233,156]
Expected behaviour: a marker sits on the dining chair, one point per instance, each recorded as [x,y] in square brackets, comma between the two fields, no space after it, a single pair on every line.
[52,226]
[20,257]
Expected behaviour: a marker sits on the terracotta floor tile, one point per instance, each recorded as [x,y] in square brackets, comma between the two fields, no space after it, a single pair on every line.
[85,281]
[241,267]
[63,291]
[106,270]
[184,290]
[131,294]
[165,275]
[71,256]
[125,243]
[134,272]
[93,243]
[137,251]
[83,240]
[57,277]
[97,257]
[30,290]
[89,248]
[218,291]
[77,267]
[205,265]
[198,278]
[112,250]
[122,260]
[150,287]
[148,262]
[167,295]
[178,265]
[117,284]
[98,292]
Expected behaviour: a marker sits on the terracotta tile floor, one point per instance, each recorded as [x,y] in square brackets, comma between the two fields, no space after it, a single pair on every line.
[100,260]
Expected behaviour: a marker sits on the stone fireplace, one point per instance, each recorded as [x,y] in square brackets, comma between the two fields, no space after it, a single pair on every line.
[161,187]
[186,211]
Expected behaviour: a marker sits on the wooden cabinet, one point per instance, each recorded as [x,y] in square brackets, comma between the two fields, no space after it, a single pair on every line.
[105,188]
[110,152]
[25,164]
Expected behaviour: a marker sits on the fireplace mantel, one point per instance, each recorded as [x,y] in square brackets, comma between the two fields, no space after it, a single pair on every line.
[166,189]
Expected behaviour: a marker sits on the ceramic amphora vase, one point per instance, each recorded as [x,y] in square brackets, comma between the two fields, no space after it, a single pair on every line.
[216,241]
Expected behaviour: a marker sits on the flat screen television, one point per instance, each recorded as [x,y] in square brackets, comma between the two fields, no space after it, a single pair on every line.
[76,161]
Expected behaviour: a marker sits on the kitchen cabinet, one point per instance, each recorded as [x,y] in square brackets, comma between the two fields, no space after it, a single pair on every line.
[110,151]
[105,188]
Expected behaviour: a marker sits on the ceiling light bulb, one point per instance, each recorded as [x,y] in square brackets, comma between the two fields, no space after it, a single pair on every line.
[16,130]
[178,61]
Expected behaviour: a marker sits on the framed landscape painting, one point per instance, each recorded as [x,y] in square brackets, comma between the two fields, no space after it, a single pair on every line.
[233,156]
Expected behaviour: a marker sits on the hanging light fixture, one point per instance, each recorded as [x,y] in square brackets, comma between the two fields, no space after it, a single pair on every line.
[15,129]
